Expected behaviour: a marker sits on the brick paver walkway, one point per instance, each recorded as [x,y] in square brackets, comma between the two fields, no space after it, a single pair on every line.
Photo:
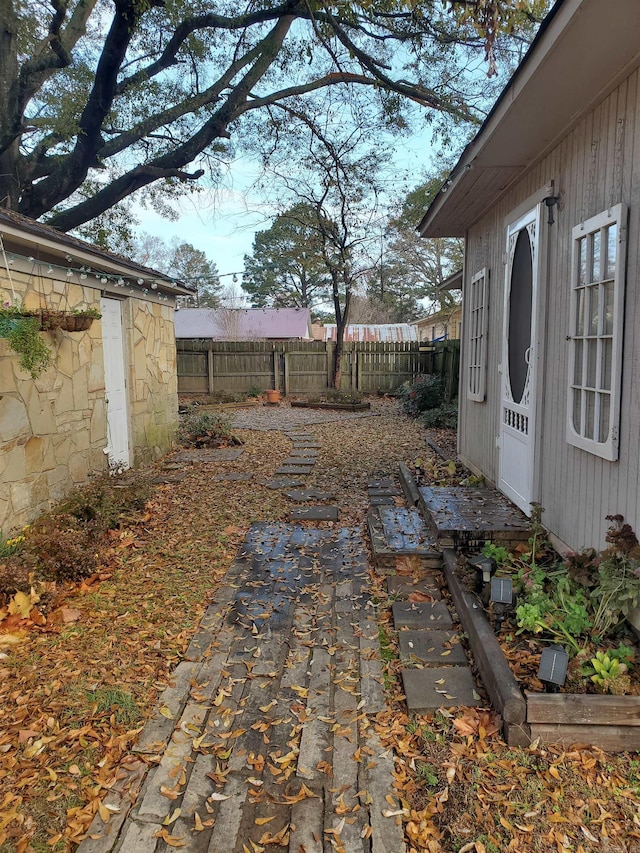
[265,738]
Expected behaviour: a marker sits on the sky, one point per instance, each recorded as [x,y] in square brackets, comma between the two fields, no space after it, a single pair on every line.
[223,224]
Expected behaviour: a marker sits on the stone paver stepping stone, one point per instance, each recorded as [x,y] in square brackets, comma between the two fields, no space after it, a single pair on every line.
[383,493]
[403,587]
[169,477]
[305,461]
[382,483]
[222,454]
[314,513]
[293,469]
[309,495]
[382,500]
[304,452]
[421,614]
[284,483]
[434,647]
[222,478]
[439,687]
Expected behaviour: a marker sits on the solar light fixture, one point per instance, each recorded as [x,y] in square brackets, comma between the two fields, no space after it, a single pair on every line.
[553,668]
[486,568]
[502,598]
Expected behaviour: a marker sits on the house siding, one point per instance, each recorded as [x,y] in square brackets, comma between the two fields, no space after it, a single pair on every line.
[594,167]
[53,429]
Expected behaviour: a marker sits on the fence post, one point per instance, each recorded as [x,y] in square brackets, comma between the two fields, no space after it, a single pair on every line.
[276,368]
[210,375]
[286,373]
[329,351]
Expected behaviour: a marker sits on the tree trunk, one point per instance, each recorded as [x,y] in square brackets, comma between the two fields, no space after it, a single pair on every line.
[342,318]
[9,121]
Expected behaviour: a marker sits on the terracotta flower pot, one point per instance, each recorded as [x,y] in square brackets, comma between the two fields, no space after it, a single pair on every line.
[273,396]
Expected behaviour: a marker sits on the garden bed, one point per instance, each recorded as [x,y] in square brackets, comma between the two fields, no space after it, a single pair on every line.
[340,407]
[608,722]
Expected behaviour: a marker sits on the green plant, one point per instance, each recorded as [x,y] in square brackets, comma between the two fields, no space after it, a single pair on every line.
[87,312]
[426,392]
[254,391]
[427,773]
[105,500]
[610,674]
[497,552]
[63,548]
[22,332]
[112,700]
[205,429]
[441,417]
[9,547]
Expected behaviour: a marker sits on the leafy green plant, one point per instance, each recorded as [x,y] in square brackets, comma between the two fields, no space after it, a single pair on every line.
[426,392]
[498,553]
[11,546]
[22,332]
[442,417]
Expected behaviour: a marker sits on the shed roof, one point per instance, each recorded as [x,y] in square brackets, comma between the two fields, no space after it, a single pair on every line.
[373,332]
[582,51]
[243,324]
[29,232]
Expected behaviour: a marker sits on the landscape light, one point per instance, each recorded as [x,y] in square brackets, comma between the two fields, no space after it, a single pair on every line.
[486,568]
[553,668]
[502,598]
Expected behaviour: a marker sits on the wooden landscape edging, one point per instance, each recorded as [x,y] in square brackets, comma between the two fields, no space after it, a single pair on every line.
[347,407]
[611,723]
[499,682]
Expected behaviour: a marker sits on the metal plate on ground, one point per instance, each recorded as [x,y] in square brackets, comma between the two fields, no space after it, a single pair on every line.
[460,515]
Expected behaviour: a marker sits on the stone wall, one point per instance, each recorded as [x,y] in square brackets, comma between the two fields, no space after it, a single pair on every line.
[53,429]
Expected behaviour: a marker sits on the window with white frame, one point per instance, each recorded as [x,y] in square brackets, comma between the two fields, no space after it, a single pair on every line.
[597,305]
[478,322]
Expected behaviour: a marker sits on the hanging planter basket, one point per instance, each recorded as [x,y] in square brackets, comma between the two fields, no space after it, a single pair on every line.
[67,321]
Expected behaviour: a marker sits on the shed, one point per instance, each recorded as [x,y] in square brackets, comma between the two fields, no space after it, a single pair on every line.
[373,332]
[244,324]
[109,395]
[547,196]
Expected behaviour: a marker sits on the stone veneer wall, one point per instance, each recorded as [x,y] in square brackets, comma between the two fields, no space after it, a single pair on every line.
[53,430]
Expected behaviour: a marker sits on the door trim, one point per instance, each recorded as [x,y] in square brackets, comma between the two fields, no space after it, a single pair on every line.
[121,456]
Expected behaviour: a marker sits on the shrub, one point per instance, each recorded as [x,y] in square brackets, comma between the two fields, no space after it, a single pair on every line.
[426,392]
[104,500]
[62,548]
[442,417]
[205,429]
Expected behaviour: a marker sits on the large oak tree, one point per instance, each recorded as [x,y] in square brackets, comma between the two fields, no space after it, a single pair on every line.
[100,99]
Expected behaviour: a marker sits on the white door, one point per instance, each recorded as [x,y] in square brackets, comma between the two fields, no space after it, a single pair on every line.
[115,383]
[517,420]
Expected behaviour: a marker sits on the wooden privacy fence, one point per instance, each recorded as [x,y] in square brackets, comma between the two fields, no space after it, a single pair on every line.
[296,367]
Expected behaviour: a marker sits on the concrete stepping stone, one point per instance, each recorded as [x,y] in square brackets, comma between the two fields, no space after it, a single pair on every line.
[403,587]
[302,461]
[432,647]
[382,500]
[381,483]
[314,513]
[222,454]
[230,477]
[421,614]
[284,483]
[301,495]
[382,491]
[304,453]
[439,687]
[290,470]
[169,477]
